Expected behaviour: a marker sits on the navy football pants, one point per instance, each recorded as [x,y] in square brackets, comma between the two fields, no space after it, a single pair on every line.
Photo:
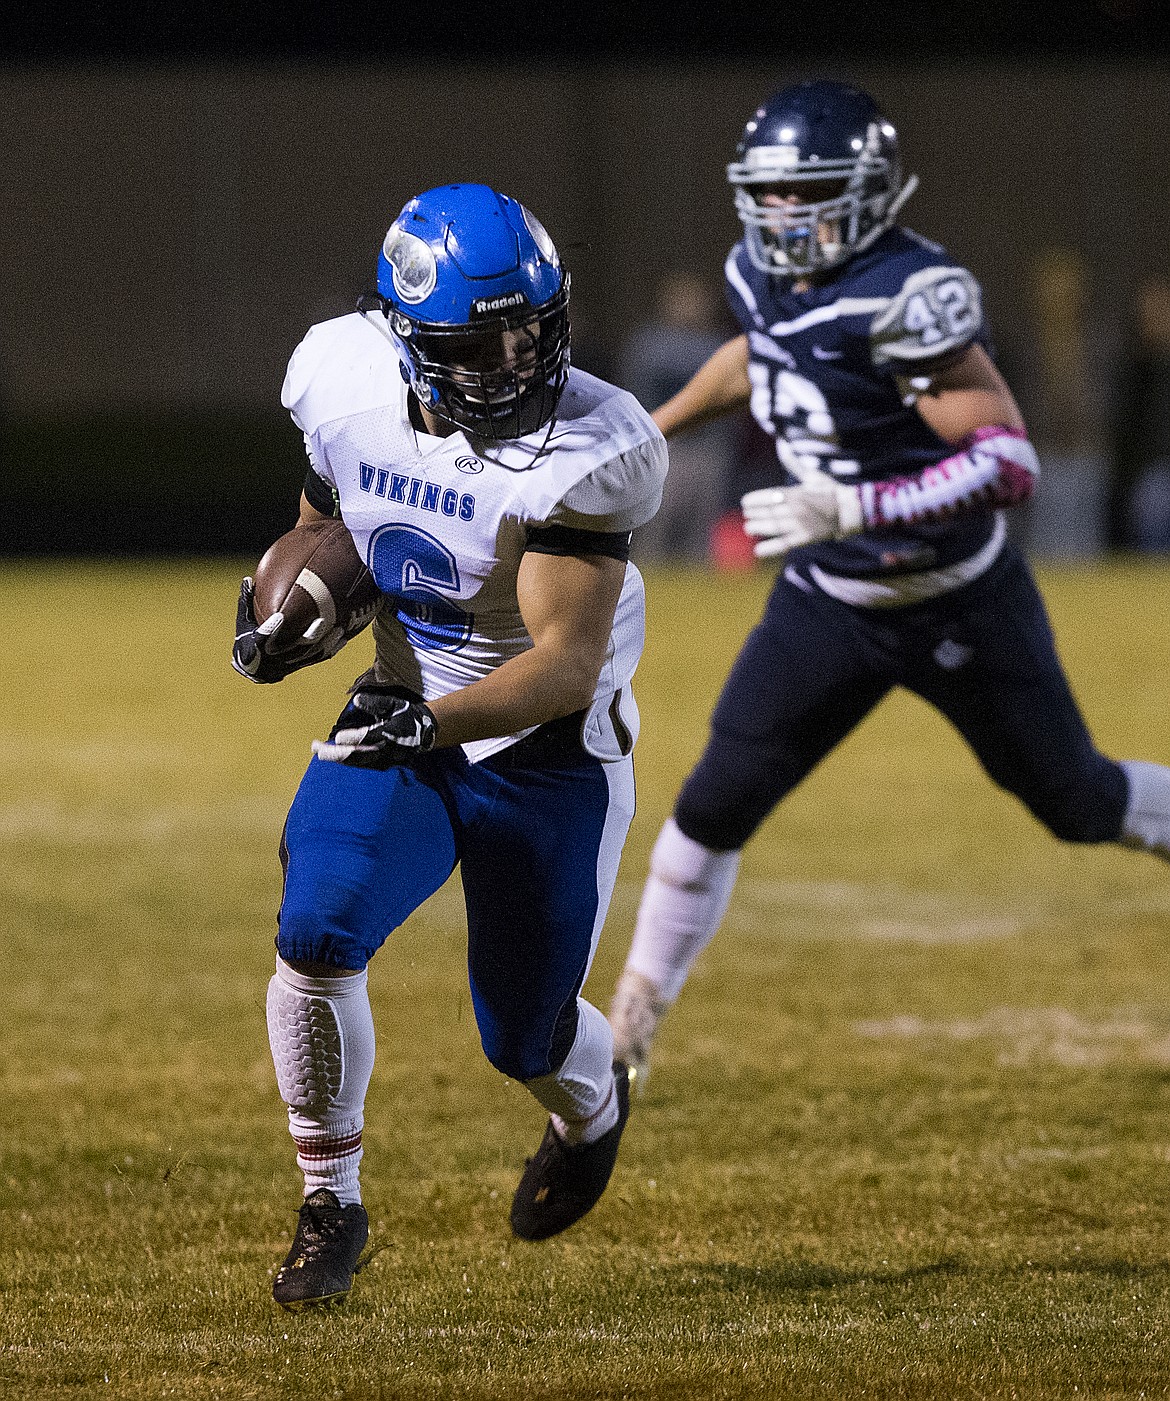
[537,831]
[983,655]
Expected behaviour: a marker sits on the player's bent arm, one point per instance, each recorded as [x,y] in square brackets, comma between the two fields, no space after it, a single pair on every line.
[568,604]
[964,395]
[965,400]
[968,404]
[718,386]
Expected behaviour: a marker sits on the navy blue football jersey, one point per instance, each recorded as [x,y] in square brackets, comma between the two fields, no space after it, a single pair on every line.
[823,365]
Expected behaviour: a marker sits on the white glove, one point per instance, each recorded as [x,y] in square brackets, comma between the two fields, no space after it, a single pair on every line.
[786,517]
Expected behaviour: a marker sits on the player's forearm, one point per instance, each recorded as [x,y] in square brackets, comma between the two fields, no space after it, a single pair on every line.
[998,467]
[541,684]
[717,387]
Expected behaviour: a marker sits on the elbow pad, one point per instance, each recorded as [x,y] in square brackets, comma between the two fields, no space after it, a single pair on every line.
[994,466]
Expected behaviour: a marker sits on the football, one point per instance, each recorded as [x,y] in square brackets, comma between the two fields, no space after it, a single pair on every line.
[316,578]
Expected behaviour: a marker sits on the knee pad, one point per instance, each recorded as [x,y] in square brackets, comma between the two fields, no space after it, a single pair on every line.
[307,935]
[710,825]
[524,1053]
[322,1038]
[730,791]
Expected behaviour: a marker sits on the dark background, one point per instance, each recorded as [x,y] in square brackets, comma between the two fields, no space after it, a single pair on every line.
[187,193]
[419,33]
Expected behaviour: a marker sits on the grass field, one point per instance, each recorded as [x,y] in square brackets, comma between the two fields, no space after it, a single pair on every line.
[908,1132]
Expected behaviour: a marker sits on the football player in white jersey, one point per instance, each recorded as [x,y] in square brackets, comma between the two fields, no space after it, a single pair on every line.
[864,354]
[491,490]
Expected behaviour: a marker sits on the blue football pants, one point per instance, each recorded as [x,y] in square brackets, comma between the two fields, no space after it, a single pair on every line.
[984,656]
[537,831]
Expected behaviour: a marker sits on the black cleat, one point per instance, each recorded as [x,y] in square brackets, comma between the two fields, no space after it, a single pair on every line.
[561,1183]
[320,1266]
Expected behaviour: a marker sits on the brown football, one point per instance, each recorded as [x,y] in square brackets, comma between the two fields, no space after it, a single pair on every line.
[315,572]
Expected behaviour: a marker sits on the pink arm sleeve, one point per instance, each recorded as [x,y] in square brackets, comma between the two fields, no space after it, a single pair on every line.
[995,466]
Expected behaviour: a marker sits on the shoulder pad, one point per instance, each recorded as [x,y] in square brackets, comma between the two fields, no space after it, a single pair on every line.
[603,460]
[938,310]
[618,495]
[341,367]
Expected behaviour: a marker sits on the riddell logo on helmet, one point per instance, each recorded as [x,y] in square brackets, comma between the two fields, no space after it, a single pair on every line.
[484,306]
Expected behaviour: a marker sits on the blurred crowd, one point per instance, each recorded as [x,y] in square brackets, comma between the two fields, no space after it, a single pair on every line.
[1094,389]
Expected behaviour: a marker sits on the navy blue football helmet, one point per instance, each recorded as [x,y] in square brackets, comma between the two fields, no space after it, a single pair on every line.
[817,178]
[477,305]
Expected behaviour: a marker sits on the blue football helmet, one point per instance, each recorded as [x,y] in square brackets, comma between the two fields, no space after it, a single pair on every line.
[817,178]
[477,305]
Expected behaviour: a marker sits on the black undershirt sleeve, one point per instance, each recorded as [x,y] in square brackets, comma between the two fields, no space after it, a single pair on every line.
[564,540]
[320,495]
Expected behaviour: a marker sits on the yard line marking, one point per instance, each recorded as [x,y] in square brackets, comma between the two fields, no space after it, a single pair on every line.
[1029,1034]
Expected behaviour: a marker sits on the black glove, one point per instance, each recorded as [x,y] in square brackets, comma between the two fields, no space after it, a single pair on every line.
[380,727]
[255,653]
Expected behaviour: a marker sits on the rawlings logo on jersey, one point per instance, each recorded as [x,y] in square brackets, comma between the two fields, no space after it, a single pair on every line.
[412,491]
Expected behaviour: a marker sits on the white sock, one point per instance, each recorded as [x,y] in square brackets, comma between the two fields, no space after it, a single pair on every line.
[683,904]
[1146,823]
[580,1096]
[321,1032]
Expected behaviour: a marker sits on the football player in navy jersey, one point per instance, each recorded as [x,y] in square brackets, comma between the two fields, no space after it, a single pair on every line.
[864,354]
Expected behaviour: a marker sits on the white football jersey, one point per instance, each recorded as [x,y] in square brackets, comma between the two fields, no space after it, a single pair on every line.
[443,522]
